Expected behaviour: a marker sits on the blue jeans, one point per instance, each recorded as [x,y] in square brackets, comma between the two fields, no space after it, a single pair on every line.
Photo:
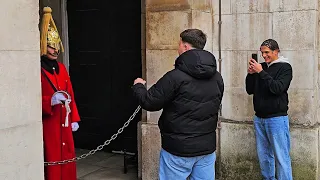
[180,168]
[273,147]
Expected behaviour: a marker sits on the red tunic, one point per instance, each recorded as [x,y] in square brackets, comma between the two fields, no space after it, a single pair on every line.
[58,139]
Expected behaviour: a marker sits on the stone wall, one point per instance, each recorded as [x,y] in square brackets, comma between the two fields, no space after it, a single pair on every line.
[21,156]
[165,20]
[245,25]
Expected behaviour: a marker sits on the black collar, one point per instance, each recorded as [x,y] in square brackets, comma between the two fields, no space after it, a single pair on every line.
[49,65]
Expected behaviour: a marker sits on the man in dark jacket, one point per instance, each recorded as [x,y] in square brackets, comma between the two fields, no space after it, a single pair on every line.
[190,96]
[269,83]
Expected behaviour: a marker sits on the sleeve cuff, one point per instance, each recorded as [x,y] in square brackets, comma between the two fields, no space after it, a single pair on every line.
[138,85]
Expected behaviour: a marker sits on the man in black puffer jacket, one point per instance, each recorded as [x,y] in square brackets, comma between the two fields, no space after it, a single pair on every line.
[190,96]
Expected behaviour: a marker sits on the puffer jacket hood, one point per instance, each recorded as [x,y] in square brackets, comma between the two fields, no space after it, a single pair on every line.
[197,63]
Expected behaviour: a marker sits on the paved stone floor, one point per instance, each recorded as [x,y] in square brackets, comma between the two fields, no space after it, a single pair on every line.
[102,165]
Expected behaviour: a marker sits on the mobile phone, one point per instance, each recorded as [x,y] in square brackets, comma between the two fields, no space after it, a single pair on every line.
[254,56]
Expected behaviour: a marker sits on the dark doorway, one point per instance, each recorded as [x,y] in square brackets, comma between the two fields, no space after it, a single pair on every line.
[105,58]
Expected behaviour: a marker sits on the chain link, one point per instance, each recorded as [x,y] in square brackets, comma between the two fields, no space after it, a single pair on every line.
[100,147]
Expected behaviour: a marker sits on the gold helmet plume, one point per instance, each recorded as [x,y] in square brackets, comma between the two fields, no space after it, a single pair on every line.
[49,35]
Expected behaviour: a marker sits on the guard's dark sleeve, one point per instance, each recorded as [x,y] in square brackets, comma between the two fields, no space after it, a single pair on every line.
[281,84]
[250,82]
[157,96]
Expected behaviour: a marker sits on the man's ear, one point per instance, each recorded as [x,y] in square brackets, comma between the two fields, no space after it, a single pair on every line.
[187,46]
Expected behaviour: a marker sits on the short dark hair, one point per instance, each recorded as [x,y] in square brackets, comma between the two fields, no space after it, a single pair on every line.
[195,37]
[271,44]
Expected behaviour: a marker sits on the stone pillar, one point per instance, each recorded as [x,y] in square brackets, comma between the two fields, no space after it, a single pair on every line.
[245,25]
[21,149]
[143,57]
[165,20]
